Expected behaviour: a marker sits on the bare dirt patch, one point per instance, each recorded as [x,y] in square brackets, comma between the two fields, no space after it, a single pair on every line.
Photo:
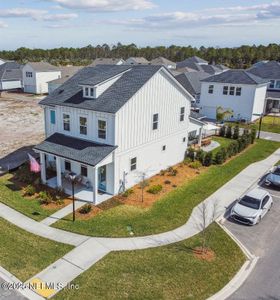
[204,254]
[21,122]
[94,211]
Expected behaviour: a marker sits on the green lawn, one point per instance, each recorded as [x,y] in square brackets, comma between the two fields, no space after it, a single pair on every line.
[172,210]
[24,254]
[270,124]
[169,272]
[11,196]
[224,142]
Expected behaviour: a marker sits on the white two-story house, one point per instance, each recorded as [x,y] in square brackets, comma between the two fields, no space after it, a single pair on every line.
[36,76]
[110,124]
[237,91]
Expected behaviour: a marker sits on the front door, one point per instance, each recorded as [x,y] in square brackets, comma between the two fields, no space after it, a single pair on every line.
[102,179]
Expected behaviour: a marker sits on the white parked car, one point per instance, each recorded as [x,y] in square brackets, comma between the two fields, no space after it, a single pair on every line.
[252,207]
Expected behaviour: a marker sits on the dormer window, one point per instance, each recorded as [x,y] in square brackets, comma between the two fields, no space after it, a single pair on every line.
[89,92]
[86,91]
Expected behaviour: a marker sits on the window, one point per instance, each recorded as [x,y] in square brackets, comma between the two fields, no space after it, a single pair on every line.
[66,122]
[231,90]
[52,112]
[83,125]
[155,121]
[91,92]
[225,90]
[163,147]
[265,200]
[29,74]
[133,164]
[102,129]
[184,139]
[271,85]
[86,91]
[67,165]
[277,86]
[192,135]
[211,89]
[84,171]
[182,114]
[238,91]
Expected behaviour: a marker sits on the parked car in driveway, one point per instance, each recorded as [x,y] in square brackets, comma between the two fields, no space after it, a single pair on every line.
[252,207]
[273,178]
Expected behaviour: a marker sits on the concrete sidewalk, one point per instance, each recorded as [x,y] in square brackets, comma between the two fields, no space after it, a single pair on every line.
[65,211]
[270,136]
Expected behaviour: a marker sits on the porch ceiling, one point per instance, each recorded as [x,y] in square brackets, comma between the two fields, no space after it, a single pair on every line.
[86,152]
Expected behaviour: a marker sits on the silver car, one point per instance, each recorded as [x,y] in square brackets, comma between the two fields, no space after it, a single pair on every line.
[252,207]
[273,178]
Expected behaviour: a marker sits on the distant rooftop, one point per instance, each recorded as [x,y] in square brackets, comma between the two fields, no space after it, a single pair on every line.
[267,70]
[162,61]
[106,61]
[10,71]
[43,66]
[66,73]
[192,63]
[138,60]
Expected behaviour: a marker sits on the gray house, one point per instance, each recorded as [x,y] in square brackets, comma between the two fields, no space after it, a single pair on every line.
[10,76]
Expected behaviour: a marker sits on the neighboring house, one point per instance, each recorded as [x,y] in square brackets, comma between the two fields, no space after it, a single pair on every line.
[162,61]
[137,61]
[10,76]
[191,81]
[107,61]
[36,76]
[195,128]
[66,73]
[269,70]
[237,90]
[192,63]
[112,124]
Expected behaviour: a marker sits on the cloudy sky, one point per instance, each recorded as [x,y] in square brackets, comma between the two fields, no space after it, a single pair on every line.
[56,23]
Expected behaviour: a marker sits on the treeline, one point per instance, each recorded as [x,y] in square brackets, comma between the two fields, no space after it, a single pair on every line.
[239,57]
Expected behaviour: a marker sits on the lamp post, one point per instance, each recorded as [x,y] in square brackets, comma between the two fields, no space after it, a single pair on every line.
[72,177]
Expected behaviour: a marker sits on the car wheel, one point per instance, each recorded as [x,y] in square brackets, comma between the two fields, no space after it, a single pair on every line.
[270,206]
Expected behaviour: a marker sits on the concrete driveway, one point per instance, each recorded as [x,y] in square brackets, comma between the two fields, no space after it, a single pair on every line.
[9,294]
[263,240]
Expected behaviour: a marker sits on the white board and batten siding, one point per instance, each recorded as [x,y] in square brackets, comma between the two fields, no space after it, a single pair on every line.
[251,101]
[135,136]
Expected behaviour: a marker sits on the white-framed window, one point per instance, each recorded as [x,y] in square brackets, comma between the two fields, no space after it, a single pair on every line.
[91,92]
[84,171]
[102,128]
[232,90]
[238,91]
[163,147]
[66,122]
[271,84]
[29,74]
[155,121]
[86,91]
[133,164]
[225,90]
[67,165]
[83,125]
[277,85]
[211,89]
[182,114]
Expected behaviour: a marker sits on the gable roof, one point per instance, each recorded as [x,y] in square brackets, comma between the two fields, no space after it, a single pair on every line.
[10,71]
[138,60]
[191,62]
[268,70]
[235,76]
[43,66]
[66,73]
[191,81]
[163,62]
[87,152]
[106,61]
[111,100]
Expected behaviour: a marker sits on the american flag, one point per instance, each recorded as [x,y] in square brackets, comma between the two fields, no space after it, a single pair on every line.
[34,165]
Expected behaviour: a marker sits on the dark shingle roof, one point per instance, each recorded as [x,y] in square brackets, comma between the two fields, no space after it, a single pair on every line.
[191,62]
[112,99]
[106,61]
[235,77]
[10,71]
[162,61]
[269,70]
[43,66]
[191,81]
[274,94]
[89,153]
[66,73]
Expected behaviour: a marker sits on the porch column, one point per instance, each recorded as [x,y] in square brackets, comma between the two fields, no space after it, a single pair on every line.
[95,185]
[200,136]
[43,167]
[58,172]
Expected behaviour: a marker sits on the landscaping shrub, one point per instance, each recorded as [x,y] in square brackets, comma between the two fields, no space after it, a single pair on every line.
[85,209]
[195,165]
[24,175]
[208,159]
[191,153]
[187,161]
[229,132]
[253,135]
[172,172]
[200,155]
[222,131]
[219,158]
[29,190]
[236,132]
[167,182]
[127,193]
[155,189]
[44,198]
[162,172]
[224,153]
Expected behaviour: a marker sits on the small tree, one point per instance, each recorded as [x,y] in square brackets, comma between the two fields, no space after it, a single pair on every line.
[229,132]
[208,159]
[143,183]
[222,114]
[222,131]
[200,155]
[236,132]
[219,158]
[191,153]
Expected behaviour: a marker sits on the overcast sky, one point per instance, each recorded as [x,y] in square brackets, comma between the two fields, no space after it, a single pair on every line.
[76,23]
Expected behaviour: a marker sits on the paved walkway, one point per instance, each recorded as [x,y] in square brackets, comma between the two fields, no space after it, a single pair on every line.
[270,136]
[65,211]
[91,249]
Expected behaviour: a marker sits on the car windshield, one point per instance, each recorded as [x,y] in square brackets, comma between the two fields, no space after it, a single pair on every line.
[250,202]
[277,171]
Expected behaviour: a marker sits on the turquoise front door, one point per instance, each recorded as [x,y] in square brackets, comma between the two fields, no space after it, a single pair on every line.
[102,179]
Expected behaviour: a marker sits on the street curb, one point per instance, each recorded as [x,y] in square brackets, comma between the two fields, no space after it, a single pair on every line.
[242,274]
[11,279]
